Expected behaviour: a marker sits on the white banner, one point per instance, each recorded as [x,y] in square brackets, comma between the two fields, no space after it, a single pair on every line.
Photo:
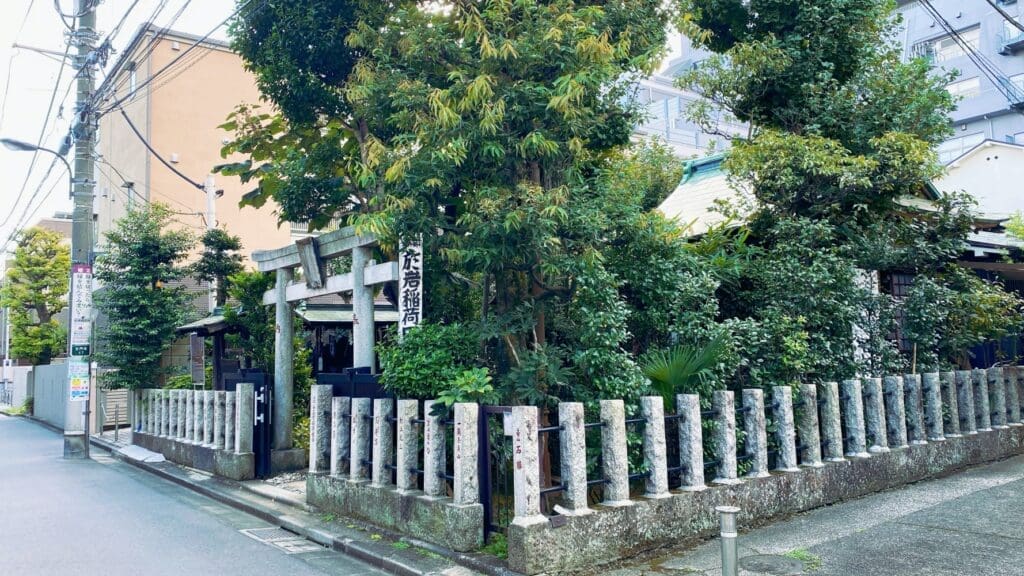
[410,286]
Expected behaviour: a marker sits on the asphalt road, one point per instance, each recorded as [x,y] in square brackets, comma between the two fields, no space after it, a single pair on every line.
[104,517]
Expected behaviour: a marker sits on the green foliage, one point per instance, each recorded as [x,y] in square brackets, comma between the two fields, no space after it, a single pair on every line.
[250,324]
[141,297]
[302,377]
[219,262]
[685,370]
[948,314]
[497,545]
[35,291]
[473,385]
[24,410]
[428,360]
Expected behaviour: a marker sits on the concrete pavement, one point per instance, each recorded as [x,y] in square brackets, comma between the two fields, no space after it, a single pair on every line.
[968,524]
[102,516]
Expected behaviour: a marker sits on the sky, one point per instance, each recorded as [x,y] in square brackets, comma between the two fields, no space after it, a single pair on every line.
[27,79]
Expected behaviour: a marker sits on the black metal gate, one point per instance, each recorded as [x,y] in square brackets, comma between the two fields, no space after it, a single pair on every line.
[495,468]
[263,392]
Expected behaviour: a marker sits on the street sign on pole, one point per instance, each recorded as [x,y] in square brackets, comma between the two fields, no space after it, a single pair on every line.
[78,376]
[81,309]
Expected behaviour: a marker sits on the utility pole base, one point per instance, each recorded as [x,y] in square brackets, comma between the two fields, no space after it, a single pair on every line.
[74,446]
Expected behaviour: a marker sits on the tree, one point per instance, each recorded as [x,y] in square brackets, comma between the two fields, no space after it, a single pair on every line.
[219,262]
[479,128]
[35,291]
[141,294]
[249,323]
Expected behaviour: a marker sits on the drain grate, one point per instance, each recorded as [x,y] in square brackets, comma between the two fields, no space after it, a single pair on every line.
[287,542]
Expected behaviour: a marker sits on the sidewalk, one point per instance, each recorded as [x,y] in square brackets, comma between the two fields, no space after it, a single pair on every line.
[282,502]
[969,524]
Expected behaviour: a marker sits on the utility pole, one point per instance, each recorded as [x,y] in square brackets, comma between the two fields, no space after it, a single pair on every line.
[80,319]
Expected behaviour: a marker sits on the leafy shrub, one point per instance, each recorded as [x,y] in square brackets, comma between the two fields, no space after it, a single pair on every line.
[473,385]
[427,360]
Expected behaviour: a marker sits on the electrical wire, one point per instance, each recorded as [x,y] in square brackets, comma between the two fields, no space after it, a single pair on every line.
[984,65]
[42,134]
[157,154]
[117,103]
[1005,15]
[10,63]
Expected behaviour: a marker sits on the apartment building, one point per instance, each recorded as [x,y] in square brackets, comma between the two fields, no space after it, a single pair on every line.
[177,117]
[987,50]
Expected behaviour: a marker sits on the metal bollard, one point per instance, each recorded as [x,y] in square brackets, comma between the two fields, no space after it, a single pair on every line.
[730,560]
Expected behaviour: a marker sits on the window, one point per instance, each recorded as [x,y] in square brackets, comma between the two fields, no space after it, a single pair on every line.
[954,147]
[1010,32]
[968,88]
[132,78]
[947,47]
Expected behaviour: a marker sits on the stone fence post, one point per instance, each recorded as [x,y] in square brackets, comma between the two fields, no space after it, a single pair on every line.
[785,430]
[831,425]
[895,412]
[756,441]
[407,451]
[931,388]
[997,395]
[1012,395]
[190,415]
[982,408]
[229,420]
[951,414]
[874,415]
[362,409]
[655,452]
[614,459]
[383,442]
[245,413]
[433,450]
[691,442]
[341,430]
[466,489]
[208,417]
[853,411]
[723,404]
[965,402]
[526,466]
[808,428]
[914,407]
[320,426]
[573,443]
[218,420]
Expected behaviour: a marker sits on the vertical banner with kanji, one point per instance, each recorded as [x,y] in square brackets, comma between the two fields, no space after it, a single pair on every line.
[410,286]
[81,331]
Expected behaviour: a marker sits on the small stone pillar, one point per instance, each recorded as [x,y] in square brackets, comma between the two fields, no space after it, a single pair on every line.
[176,414]
[172,413]
[874,415]
[982,408]
[143,411]
[807,426]
[614,458]
[190,415]
[341,431]
[691,442]
[951,415]
[655,453]
[895,414]
[573,444]
[434,450]
[831,425]
[361,424]
[785,430]
[932,392]
[229,421]
[218,420]
[199,412]
[320,397]
[526,466]
[245,413]
[208,410]
[756,441]
[161,413]
[724,406]
[407,451]
[997,396]
[853,413]
[1019,385]
[1012,396]
[466,489]
[182,415]
[915,409]
[965,402]
[383,442]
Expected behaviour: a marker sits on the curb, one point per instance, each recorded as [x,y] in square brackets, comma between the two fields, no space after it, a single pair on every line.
[379,555]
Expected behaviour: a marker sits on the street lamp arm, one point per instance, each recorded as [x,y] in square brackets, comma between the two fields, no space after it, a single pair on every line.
[20,146]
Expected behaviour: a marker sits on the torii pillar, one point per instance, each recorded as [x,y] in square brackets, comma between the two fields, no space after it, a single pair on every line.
[284,362]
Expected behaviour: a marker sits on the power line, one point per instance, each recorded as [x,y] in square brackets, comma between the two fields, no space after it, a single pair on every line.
[117,103]
[156,154]
[42,134]
[10,63]
[1005,15]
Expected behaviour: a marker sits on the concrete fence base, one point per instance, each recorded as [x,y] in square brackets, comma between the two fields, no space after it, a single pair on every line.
[219,462]
[617,532]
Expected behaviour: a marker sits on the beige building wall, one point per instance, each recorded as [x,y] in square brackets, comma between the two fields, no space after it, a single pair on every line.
[179,113]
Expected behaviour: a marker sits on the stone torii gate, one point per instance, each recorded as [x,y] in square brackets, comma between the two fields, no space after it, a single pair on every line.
[311,254]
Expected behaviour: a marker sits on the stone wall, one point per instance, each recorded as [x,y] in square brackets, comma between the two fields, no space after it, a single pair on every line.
[367,461]
[835,441]
[208,430]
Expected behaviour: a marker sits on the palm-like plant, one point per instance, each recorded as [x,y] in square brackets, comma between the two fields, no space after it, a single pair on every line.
[684,369]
